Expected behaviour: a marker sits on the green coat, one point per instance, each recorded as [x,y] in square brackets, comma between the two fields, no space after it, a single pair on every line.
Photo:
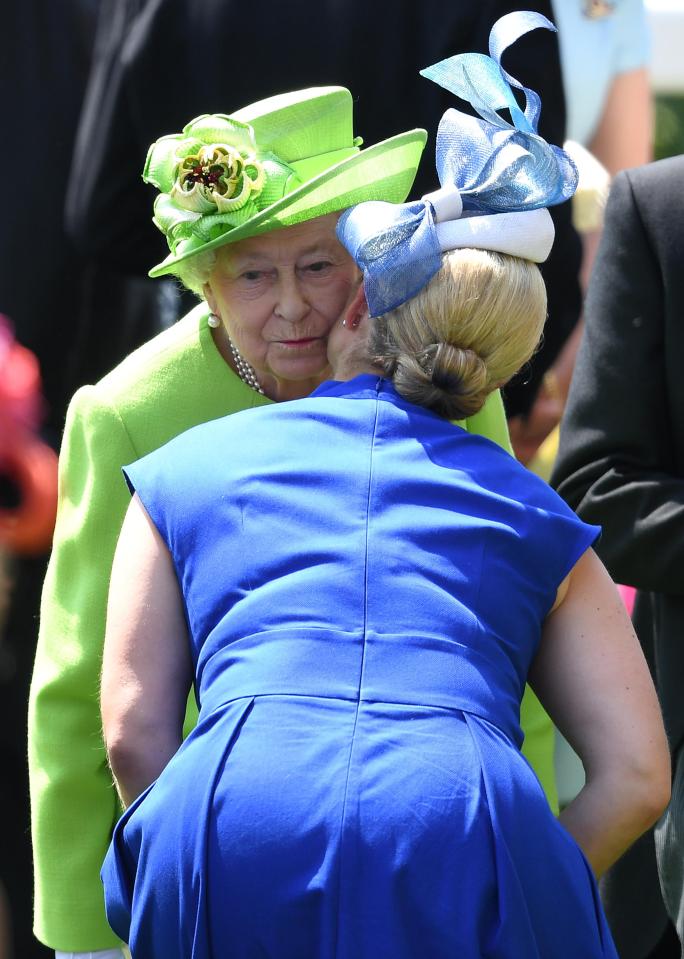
[174,382]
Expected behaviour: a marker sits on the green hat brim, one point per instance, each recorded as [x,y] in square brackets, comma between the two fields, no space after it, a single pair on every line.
[384,171]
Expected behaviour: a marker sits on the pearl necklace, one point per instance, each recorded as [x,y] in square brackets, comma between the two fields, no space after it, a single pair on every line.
[244,370]
[242,367]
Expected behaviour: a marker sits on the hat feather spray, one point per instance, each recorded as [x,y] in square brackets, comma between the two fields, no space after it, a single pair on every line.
[497,179]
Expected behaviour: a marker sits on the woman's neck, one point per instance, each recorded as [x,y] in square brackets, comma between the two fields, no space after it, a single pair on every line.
[348,366]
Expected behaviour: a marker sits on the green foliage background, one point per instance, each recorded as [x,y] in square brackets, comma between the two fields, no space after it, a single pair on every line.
[669,127]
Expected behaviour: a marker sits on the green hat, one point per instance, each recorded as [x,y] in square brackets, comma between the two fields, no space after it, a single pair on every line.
[275,163]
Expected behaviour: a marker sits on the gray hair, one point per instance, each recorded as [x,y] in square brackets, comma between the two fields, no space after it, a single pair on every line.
[194,272]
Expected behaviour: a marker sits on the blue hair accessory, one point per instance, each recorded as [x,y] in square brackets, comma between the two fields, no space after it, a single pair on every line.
[497,180]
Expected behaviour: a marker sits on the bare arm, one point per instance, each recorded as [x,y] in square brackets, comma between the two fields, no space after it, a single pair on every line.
[624,137]
[591,676]
[146,669]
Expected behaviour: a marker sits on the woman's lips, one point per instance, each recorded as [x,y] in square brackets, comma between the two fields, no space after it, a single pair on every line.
[300,343]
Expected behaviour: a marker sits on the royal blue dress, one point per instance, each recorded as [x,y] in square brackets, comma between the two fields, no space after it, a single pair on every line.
[364,586]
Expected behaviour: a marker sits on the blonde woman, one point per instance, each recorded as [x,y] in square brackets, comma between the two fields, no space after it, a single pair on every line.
[360,617]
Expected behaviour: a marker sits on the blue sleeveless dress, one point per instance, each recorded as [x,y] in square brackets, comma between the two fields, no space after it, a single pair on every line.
[364,586]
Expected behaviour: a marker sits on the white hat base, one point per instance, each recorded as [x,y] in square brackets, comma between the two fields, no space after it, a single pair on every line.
[528,234]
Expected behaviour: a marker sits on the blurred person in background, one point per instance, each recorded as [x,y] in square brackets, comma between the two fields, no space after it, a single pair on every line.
[28,499]
[45,51]
[145,80]
[604,50]
[78,317]
[46,59]
[621,464]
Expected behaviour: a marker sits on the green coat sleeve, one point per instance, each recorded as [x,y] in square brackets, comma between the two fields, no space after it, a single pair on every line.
[74,804]
[539,743]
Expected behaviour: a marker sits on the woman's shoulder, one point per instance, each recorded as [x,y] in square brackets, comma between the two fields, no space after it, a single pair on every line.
[500,473]
[162,354]
[170,384]
[219,436]
[547,535]
[275,434]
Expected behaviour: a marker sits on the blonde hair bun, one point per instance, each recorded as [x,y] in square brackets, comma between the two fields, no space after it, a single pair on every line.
[469,330]
[445,378]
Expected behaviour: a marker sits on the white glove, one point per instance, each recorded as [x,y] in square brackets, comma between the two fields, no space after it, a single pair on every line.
[100,954]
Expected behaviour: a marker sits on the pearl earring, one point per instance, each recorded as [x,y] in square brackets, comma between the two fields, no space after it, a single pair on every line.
[213,321]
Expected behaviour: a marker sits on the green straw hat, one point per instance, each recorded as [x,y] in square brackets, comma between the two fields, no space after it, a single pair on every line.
[278,162]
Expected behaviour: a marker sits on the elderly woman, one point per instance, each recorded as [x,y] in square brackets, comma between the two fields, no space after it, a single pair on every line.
[358,590]
[248,204]
[256,194]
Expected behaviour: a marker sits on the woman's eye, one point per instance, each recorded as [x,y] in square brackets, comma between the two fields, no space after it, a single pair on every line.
[318,267]
[251,275]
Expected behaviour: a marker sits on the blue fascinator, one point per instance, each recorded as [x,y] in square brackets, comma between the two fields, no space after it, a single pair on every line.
[496,181]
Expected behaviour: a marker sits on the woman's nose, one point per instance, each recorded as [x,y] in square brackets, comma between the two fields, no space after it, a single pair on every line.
[292,303]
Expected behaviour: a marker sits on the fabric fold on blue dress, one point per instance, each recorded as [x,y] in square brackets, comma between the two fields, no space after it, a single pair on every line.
[218,732]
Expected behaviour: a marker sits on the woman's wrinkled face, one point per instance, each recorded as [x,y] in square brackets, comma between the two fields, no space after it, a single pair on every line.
[278,296]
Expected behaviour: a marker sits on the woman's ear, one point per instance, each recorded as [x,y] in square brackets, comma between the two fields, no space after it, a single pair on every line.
[210,298]
[347,336]
[356,310]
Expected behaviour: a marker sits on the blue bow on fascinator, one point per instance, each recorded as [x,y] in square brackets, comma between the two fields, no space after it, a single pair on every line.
[485,166]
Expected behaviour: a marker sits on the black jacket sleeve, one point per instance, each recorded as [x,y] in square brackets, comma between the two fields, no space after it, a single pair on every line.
[619,462]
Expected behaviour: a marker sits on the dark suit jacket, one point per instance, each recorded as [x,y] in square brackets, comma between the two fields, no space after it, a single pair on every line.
[621,459]
[180,58]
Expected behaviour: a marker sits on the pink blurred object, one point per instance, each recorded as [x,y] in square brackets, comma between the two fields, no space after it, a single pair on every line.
[21,404]
[627,593]
[28,462]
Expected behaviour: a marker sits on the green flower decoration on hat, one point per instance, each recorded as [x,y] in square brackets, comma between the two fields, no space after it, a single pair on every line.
[212,178]
[218,178]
